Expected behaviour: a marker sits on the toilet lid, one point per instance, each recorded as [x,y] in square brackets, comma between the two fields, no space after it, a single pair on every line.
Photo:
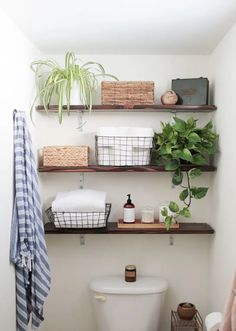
[117,285]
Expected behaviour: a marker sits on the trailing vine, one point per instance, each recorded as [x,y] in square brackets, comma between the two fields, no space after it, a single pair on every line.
[182,141]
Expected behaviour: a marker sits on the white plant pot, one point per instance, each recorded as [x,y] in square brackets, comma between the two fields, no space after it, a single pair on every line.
[75,94]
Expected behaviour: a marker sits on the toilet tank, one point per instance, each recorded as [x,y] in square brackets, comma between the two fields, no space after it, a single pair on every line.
[123,306]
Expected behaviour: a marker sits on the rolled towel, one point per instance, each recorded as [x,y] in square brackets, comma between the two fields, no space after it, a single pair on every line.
[213,321]
[83,200]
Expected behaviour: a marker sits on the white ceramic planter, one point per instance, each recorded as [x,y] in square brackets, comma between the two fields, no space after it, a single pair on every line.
[75,94]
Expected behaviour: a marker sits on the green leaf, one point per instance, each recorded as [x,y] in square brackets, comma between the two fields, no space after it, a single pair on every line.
[185,212]
[168,222]
[177,177]
[191,123]
[199,159]
[194,137]
[172,164]
[164,212]
[186,155]
[199,192]
[193,173]
[208,126]
[183,195]
[179,125]
[168,148]
[173,207]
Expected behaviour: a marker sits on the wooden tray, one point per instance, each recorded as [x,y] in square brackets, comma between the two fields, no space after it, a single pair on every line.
[139,225]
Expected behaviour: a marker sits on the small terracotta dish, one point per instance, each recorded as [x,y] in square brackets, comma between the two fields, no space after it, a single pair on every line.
[186,310]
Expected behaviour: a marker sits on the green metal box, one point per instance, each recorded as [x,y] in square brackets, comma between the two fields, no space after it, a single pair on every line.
[191,91]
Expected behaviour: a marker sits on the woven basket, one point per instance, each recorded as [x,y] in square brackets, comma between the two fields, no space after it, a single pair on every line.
[127,93]
[65,156]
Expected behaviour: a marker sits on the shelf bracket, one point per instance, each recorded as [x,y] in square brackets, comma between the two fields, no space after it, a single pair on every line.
[171,240]
[82,239]
[81,180]
[80,121]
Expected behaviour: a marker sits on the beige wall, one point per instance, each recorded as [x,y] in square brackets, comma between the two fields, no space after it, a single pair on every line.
[184,265]
[223,248]
[16,86]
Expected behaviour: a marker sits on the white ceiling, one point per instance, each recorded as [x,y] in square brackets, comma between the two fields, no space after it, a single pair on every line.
[123,26]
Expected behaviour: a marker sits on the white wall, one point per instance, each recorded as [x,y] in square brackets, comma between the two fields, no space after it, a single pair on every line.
[223,248]
[184,265]
[16,86]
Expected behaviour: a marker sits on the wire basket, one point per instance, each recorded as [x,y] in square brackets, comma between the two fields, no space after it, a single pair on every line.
[82,220]
[123,151]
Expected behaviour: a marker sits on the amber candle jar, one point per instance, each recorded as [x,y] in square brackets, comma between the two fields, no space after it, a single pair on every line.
[130,273]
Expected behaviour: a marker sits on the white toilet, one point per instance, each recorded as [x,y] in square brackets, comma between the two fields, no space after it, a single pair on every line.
[123,306]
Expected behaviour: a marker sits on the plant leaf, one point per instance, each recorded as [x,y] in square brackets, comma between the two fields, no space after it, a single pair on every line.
[199,192]
[195,172]
[173,207]
[183,195]
[185,212]
[177,177]
[199,159]
[164,212]
[172,164]
[186,155]
[194,137]
[168,222]
[179,125]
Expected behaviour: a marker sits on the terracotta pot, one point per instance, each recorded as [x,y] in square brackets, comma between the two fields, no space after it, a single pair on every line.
[186,310]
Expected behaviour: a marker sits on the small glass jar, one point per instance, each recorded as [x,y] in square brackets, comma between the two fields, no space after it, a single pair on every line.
[130,273]
[147,215]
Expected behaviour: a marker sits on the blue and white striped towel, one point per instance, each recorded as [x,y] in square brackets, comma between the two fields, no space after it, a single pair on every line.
[28,247]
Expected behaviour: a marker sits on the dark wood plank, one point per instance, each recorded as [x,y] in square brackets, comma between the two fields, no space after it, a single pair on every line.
[96,168]
[136,108]
[185,228]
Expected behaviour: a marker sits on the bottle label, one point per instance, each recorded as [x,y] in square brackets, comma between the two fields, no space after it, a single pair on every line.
[129,215]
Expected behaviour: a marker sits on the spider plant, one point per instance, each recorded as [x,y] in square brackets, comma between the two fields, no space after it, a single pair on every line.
[55,80]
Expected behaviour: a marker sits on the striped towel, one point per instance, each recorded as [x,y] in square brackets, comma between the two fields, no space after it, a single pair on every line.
[28,249]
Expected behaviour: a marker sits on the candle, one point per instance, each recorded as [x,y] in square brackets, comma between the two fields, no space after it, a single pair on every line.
[148,215]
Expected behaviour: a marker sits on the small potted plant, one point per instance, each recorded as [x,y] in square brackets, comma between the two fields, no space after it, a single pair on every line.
[186,310]
[57,82]
[183,142]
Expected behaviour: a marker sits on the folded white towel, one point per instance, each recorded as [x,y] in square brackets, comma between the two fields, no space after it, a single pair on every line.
[83,200]
[124,131]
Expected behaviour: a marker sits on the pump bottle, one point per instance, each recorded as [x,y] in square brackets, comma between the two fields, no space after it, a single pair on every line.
[129,211]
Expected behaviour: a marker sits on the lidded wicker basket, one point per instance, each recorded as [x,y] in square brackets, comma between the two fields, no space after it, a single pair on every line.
[65,156]
[128,93]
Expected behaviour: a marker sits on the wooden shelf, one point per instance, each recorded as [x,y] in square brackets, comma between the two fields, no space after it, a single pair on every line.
[96,168]
[136,108]
[185,228]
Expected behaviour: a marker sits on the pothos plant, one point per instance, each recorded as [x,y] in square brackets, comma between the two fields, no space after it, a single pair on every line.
[183,143]
[52,79]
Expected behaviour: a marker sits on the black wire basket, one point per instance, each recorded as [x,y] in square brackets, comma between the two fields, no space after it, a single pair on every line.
[123,151]
[81,220]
